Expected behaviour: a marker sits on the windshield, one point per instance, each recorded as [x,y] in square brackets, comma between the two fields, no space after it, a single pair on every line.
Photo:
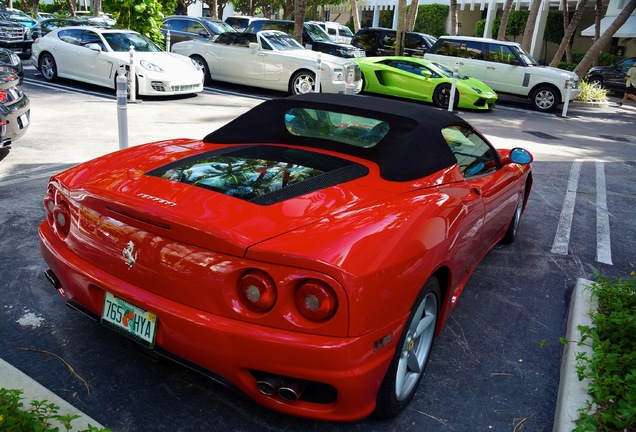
[527,58]
[279,41]
[121,42]
[316,33]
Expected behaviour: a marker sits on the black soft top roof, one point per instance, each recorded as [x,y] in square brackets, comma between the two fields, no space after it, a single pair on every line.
[413,148]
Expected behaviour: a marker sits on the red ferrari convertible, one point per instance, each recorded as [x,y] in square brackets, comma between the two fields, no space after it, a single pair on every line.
[305,254]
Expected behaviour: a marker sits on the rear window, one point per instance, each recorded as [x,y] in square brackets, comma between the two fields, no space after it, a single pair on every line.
[334,126]
[261,174]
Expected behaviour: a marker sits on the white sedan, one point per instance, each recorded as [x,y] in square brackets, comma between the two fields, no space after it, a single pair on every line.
[273,60]
[93,55]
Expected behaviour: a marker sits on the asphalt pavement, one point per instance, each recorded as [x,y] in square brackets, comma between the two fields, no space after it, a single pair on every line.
[496,366]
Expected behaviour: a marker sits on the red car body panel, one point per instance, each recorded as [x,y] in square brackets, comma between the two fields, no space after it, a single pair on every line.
[373,242]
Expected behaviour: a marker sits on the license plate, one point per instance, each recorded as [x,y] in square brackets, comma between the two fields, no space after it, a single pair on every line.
[24,120]
[129,320]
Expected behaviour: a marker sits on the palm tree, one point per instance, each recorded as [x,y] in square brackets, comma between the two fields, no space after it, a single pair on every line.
[593,53]
[412,15]
[300,7]
[529,30]
[453,14]
[355,16]
[501,35]
[569,32]
[401,24]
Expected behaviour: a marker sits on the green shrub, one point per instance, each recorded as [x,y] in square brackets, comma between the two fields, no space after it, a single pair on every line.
[592,93]
[15,417]
[612,365]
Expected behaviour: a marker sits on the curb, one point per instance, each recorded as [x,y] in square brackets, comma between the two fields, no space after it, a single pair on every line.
[12,378]
[572,393]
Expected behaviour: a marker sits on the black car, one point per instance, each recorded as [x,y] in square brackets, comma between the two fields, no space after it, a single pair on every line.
[15,37]
[45,26]
[183,28]
[314,37]
[14,109]
[10,62]
[611,77]
[377,41]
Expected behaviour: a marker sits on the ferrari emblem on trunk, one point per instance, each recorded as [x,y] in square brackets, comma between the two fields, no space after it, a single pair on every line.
[128,254]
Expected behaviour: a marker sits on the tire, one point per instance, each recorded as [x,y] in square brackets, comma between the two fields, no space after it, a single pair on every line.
[411,355]
[545,98]
[204,65]
[596,81]
[302,82]
[48,67]
[513,228]
[441,96]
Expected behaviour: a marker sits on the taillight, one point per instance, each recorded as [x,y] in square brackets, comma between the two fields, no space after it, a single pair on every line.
[258,291]
[62,218]
[316,300]
[3,96]
[49,205]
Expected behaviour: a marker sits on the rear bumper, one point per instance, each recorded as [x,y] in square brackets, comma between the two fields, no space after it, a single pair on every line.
[237,353]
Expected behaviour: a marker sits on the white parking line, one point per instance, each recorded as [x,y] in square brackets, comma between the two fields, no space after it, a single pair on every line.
[603,243]
[562,237]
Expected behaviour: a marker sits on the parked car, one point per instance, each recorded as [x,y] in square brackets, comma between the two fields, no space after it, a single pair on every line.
[16,37]
[271,60]
[420,79]
[183,28]
[18,16]
[93,55]
[15,111]
[611,77]
[338,32]
[306,253]
[46,25]
[314,37]
[240,22]
[506,68]
[10,62]
[377,41]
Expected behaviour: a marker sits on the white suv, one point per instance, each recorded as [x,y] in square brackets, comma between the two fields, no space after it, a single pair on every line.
[506,68]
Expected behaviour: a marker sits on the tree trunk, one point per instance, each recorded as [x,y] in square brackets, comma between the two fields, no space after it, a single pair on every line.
[300,7]
[501,35]
[598,15]
[453,17]
[401,24]
[355,16]
[71,7]
[566,25]
[526,42]
[412,15]
[593,53]
[571,28]
[36,8]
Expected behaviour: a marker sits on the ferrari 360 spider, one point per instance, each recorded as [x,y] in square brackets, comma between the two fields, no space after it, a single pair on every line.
[305,254]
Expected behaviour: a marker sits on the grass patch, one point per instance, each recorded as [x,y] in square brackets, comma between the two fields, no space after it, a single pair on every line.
[15,417]
[611,367]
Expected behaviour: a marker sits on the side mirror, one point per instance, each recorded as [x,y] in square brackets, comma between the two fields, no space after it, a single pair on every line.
[520,156]
[94,47]
[426,73]
[253,46]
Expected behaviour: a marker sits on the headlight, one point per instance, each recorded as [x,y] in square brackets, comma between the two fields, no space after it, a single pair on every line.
[476,90]
[150,66]
[338,75]
[15,60]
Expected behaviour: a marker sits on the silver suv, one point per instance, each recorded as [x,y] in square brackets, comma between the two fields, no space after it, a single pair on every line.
[507,69]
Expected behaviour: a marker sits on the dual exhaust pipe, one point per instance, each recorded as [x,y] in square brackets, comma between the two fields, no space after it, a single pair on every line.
[288,389]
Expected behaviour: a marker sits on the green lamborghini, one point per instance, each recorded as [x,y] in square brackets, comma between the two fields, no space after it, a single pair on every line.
[421,79]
